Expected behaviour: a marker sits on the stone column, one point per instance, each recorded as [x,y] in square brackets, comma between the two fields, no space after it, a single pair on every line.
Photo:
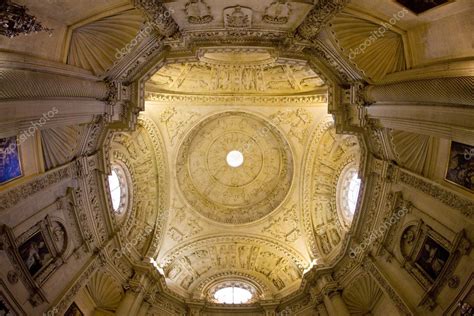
[269,307]
[195,309]
[442,91]
[338,304]
[17,84]
[143,309]
[435,107]
[328,305]
[126,304]
[455,123]
[134,297]
[57,94]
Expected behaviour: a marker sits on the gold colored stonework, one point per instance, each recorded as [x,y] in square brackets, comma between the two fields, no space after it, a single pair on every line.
[234,194]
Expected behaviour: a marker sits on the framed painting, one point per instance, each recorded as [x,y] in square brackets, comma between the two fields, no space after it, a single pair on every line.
[460,169]
[432,258]
[422,6]
[35,253]
[10,162]
[73,310]
[8,305]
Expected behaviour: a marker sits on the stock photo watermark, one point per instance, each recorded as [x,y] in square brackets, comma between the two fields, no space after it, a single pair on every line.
[262,132]
[118,253]
[25,134]
[468,154]
[144,32]
[379,33]
[377,233]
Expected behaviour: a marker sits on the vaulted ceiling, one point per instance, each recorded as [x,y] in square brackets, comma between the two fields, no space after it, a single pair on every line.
[257,77]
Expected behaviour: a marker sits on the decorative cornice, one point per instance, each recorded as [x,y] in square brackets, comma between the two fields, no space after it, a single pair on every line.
[309,100]
[10,198]
[464,206]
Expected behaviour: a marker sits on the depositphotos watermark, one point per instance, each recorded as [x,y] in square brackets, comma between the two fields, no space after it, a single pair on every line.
[23,136]
[262,132]
[375,35]
[132,243]
[144,32]
[378,233]
[468,154]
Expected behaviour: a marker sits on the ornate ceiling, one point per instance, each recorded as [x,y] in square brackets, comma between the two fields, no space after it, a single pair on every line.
[263,222]
[182,85]
[230,194]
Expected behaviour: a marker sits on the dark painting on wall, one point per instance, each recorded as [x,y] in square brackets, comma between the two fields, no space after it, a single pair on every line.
[8,304]
[461,165]
[10,165]
[35,253]
[73,310]
[5,308]
[432,258]
[420,6]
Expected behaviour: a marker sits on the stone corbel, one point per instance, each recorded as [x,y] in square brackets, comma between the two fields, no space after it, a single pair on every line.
[117,101]
[158,16]
[359,100]
[316,19]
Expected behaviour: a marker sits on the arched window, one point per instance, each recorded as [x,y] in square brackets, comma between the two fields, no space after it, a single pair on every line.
[118,189]
[232,295]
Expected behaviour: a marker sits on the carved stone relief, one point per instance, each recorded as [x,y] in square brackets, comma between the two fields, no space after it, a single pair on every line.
[285,227]
[176,121]
[237,17]
[227,194]
[198,12]
[183,225]
[194,263]
[227,73]
[277,12]
[295,122]
[328,154]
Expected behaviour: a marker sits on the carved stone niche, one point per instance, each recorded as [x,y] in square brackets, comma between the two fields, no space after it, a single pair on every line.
[36,254]
[431,258]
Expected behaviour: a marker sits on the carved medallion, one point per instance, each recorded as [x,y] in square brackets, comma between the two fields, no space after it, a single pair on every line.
[237,17]
[277,12]
[198,12]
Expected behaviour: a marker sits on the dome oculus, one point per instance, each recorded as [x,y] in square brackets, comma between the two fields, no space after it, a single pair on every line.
[234,167]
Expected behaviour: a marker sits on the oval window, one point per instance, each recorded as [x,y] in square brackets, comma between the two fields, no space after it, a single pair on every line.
[232,295]
[118,189]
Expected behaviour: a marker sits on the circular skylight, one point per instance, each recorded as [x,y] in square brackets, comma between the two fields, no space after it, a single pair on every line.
[232,295]
[235,158]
